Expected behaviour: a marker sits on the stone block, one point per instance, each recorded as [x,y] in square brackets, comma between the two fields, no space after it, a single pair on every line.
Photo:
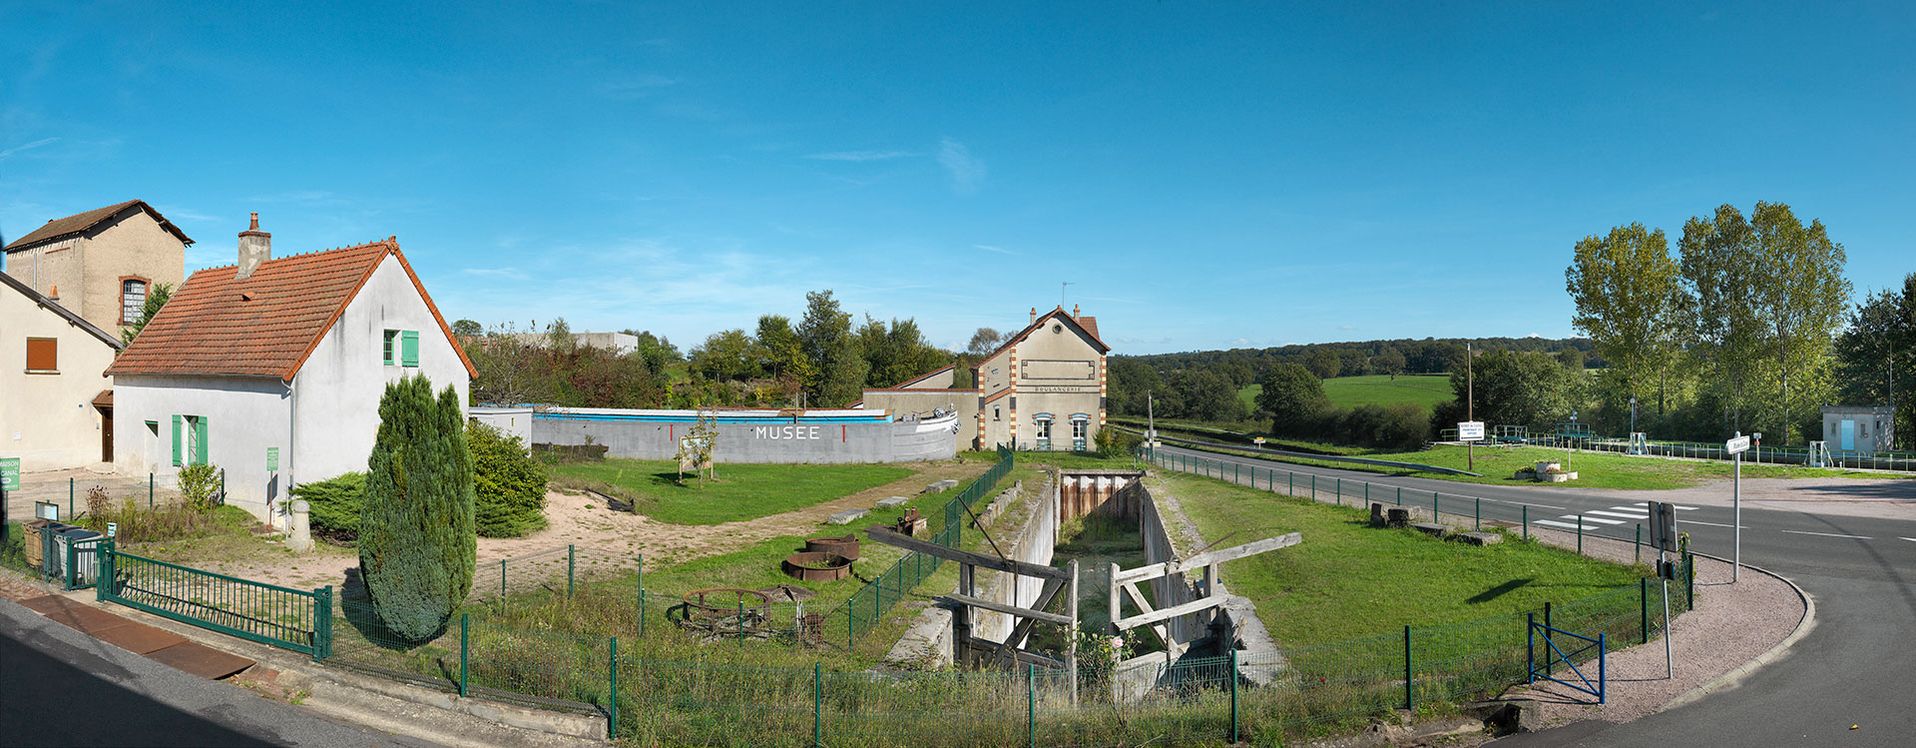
[1481,538]
[943,485]
[892,501]
[845,517]
[1430,528]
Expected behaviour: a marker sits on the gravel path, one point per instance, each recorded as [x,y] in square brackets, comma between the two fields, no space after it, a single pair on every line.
[1732,625]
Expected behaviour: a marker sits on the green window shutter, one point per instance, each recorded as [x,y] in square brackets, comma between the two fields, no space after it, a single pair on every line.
[409,348]
[199,440]
[176,441]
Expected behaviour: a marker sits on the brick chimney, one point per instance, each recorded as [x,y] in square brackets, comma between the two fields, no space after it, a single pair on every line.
[255,247]
[1034,315]
[1074,311]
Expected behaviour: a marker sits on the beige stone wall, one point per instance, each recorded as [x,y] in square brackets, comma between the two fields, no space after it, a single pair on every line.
[1052,371]
[132,244]
[48,420]
[53,269]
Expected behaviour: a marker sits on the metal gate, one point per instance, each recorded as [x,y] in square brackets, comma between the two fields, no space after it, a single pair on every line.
[1580,646]
[283,617]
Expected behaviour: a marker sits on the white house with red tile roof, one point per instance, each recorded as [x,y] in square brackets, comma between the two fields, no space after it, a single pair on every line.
[272,369]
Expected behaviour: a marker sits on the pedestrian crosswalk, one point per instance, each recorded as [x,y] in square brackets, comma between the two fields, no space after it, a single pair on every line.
[1597,519]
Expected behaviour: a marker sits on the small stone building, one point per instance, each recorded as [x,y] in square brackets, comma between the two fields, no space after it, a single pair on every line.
[1862,429]
[102,263]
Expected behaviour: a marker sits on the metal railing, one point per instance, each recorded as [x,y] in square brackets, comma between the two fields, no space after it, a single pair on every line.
[298,620]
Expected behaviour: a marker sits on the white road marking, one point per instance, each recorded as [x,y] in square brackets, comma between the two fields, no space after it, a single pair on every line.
[1565,525]
[1598,520]
[1712,524]
[1603,513]
[1828,534]
[1912,540]
[1680,507]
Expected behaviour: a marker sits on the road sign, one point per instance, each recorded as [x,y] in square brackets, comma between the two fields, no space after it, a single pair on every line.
[1258,440]
[1739,445]
[112,529]
[1470,431]
[272,459]
[10,473]
[1663,526]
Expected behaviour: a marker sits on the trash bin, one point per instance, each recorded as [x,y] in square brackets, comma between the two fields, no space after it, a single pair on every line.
[53,556]
[30,541]
[84,560]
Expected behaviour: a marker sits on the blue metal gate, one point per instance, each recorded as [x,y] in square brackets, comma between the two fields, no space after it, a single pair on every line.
[1579,645]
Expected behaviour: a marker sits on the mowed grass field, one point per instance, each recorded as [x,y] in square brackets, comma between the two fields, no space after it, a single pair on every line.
[1423,390]
[741,492]
[1348,580]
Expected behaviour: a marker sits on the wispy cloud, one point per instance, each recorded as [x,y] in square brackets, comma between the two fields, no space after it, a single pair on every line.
[993,248]
[634,86]
[28,147]
[859,155]
[506,273]
[967,171]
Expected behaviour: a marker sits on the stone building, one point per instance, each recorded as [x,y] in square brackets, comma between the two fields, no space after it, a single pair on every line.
[1863,430]
[272,369]
[102,263]
[1042,389]
[56,404]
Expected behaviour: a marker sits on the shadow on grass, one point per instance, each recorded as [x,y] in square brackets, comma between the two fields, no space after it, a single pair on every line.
[1499,591]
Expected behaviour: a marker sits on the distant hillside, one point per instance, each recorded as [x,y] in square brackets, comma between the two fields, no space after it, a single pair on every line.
[1426,356]
[1423,390]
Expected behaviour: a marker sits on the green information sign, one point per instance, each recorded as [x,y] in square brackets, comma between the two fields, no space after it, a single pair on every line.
[10,473]
[272,459]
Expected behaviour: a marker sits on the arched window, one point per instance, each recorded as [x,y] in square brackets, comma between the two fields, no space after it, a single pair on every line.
[132,300]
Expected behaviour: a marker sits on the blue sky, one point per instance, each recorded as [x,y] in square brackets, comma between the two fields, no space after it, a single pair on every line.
[1205,174]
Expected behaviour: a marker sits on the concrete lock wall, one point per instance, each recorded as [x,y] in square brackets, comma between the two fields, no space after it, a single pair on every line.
[1170,590]
[1035,543]
[756,436]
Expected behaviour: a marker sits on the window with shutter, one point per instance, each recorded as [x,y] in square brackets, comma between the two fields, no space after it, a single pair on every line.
[409,348]
[199,440]
[390,342]
[43,355]
[176,441]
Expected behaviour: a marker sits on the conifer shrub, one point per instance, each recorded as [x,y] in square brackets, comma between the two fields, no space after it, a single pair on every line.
[416,538]
[509,485]
[335,504]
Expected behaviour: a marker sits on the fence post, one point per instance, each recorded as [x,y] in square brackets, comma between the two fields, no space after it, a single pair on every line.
[1530,647]
[1579,534]
[1031,703]
[641,573]
[1234,731]
[70,517]
[465,654]
[502,581]
[1639,543]
[149,490]
[1602,647]
[1400,495]
[106,578]
[1409,704]
[1526,522]
[1689,580]
[1477,520]
[851,622]
[741,621]
[612,683]
[1313,486]
[1337,487]
[1643,609]
[1436,513]
[323,623]
[568,570]
[1549,663]
[1290,483]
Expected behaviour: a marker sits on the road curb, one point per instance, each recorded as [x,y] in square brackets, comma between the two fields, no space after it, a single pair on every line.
[1735,676]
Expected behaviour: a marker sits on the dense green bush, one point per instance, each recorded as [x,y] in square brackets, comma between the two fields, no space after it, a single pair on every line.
[335,504]
[1398,426]
[416,539]
[198,485]
[1115,443]
[509,486]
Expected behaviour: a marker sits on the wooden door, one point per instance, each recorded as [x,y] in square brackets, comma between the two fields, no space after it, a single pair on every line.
[106,435]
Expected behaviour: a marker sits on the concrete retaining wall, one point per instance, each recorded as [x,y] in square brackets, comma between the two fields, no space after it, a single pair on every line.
[753,436]
[1036,541]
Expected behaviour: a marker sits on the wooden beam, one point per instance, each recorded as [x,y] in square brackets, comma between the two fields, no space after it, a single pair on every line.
[1022,628]
[889,537]
[1017,655]
[1248,549]
[1007,609]
[1148,571]
[1165,614]
[1137,598]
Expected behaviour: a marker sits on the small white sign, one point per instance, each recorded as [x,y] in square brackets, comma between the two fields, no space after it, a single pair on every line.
[1258,440]
[1470,431]
[112,529]
[1738,445]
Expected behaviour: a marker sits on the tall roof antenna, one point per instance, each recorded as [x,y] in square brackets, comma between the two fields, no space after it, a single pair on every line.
[1061,288]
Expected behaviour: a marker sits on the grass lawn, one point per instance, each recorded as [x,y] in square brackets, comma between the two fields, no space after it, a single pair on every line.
[1348,580]
[742,492]
[1595,469]
[1425,390]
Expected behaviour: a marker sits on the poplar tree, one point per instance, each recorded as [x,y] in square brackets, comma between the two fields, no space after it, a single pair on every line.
[1629,300]
[417,541]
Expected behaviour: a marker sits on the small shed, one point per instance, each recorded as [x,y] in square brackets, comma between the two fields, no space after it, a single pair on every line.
[508,420]
[1861,429]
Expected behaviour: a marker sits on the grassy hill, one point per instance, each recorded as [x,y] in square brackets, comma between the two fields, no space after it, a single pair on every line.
[1425,390]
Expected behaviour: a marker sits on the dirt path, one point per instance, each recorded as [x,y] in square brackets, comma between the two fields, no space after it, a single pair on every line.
[603,538]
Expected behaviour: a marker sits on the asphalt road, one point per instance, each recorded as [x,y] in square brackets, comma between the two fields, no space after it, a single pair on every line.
[1857,666]
[59,687]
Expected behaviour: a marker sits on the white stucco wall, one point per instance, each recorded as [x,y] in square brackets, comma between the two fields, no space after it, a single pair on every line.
[245,416]
[48,420]
[337,392]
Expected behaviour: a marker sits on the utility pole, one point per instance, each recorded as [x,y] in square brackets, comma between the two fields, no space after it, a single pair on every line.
[1470,402]
[1151,422]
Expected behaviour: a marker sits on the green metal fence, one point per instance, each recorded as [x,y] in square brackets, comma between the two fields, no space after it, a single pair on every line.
[298,620]
[866,608]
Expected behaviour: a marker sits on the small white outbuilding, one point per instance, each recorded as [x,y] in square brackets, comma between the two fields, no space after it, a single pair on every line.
[272,369]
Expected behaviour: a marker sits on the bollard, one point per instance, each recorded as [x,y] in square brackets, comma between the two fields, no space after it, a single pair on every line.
[1400,495]
[1526,522]
[1549,663]
[502,580]
[1409,704]
[1639,543]
[568,570]
[1234,732]
[1643,609]
[818,698]
[641,586]
[1478,519]
[1579,534]
[1031,703]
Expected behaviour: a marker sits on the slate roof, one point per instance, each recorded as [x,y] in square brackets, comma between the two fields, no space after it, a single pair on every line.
[79,223]
[263,326]
[64,313]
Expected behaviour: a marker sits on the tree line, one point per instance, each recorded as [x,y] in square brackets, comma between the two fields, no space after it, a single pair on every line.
[1746,327]
[823,359]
